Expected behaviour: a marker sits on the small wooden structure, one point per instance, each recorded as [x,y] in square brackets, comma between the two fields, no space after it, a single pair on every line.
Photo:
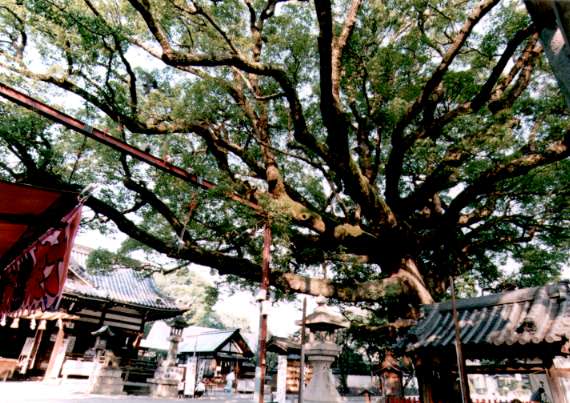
[524,331]
[290,349]
[390,376]
[217,352]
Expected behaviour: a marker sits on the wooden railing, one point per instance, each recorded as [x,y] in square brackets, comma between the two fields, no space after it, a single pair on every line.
[138,370]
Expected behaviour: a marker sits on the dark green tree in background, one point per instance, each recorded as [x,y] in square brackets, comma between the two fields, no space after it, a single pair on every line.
[195,292]
[392,142]
[102,260]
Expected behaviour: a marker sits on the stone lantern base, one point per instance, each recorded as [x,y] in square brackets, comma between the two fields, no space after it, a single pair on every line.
[165,388]
[106,381]
[165,382]
[323,386]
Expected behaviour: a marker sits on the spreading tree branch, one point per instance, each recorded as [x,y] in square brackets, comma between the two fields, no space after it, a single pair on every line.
[486,182]
[401,144]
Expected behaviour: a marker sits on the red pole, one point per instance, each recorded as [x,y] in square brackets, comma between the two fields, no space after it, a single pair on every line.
[266,258]
[302,359]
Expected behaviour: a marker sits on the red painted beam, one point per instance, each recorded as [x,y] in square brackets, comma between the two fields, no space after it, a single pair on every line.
[113,142]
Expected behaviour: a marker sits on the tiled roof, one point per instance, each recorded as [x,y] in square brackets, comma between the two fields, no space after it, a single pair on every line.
[283,345]
[205,342]
[531,315]
[120,285]
[194,338]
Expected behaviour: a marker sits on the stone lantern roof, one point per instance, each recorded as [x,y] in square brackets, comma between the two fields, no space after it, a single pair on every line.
[324,318]
[104,330]
[178,322]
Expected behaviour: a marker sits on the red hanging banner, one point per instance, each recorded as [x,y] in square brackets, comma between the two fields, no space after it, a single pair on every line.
[34,280]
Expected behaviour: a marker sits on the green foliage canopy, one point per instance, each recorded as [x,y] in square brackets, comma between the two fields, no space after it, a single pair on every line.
[393,143]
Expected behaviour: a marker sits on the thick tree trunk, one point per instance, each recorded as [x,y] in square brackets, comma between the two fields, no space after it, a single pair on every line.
[410,272]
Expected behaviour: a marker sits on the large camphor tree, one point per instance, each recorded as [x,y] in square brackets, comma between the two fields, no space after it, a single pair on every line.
[391,143]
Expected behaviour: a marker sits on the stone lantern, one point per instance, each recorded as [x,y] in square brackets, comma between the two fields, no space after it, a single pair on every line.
[168,375]
[176,329]
[106,378]
[321,351]
[391,376]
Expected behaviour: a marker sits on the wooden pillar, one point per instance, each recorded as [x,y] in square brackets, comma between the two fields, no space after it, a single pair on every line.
[425,381]
[553,376]
[36,346]
[437,379]
[52,370]
[236,376]
[143,321]
[103,314]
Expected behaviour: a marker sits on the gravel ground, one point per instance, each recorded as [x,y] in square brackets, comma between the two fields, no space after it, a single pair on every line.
[40,392]
[72,392]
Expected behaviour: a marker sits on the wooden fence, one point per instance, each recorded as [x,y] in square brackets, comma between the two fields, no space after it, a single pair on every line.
[496,401]
[402,400]
[416,400]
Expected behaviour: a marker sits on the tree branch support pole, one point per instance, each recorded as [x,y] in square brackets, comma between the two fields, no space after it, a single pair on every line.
[463,382]
[262,298]
[302,360]
[115,143]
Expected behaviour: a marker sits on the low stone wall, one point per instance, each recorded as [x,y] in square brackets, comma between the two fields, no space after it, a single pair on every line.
[7,367]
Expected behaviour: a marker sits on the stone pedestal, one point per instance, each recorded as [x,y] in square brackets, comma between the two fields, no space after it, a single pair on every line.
[322,388]
[165,382]
[106,381]
[165,388]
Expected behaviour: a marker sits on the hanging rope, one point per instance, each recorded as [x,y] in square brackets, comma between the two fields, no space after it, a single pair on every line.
[77,158]
[191,207]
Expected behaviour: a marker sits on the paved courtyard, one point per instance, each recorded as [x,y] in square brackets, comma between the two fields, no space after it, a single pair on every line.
[72,392]
[39,392]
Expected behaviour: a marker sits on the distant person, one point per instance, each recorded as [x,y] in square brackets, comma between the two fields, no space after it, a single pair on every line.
[200,389]
[230,377]
[516,401]
[537,396]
